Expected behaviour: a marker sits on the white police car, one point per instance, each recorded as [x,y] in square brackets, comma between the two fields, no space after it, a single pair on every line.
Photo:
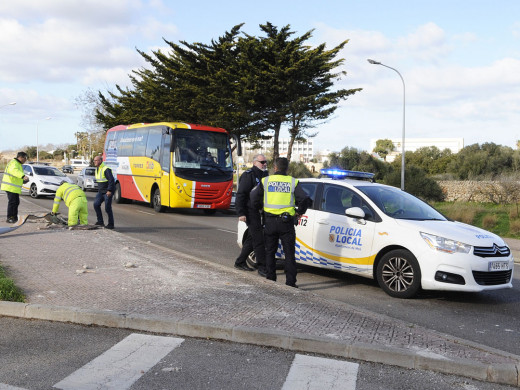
[381,232]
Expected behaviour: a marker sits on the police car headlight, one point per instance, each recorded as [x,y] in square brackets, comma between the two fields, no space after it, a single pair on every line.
[48,183]
[445,245]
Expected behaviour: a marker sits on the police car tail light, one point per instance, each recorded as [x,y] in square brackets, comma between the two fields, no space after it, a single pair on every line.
[445,245]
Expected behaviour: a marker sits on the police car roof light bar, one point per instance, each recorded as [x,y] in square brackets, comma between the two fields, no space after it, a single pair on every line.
[334,173]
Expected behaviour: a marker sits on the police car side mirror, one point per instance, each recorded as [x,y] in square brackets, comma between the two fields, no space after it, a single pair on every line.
[355,212]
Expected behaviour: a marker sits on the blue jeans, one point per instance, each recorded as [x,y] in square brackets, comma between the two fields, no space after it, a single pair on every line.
[100,198]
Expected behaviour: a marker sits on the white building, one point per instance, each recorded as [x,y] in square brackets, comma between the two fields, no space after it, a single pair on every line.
[412,144]
[301,151]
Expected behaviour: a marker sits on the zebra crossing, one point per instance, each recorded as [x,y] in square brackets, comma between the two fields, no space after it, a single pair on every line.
[121,366]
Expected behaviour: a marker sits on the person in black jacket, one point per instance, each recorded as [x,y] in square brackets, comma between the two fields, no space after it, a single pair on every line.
[278,195]
[106,187]
[255,238]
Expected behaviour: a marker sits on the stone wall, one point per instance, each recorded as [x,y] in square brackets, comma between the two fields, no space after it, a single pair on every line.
[480,191]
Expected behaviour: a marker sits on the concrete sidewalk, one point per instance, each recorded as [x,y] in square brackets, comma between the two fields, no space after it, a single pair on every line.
[102,277]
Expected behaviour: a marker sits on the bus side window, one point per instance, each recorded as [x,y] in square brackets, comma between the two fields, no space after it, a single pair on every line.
[153,147]
[165,152]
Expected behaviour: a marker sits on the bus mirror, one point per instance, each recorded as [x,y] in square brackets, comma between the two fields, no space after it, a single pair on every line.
[238,144]
[166,130]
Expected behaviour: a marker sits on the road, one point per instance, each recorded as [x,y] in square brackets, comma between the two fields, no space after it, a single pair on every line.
[47,355]
[489,318]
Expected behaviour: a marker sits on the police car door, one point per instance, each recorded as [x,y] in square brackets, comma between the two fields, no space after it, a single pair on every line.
[305,227]
[341,242]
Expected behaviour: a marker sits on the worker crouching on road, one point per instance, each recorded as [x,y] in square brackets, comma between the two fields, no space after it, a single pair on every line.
[278,194]
[75,200]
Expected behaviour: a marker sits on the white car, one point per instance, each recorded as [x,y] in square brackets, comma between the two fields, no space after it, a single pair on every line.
[43,180]
[87,179]
[380,232]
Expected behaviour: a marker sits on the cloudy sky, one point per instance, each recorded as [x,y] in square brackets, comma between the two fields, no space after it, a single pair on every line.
[460,61]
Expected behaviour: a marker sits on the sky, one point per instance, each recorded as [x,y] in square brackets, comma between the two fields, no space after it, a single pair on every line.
[460,61]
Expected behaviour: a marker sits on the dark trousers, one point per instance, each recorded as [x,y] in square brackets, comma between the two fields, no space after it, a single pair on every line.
[100,198]
[254,241]
[13,200]
[276,229]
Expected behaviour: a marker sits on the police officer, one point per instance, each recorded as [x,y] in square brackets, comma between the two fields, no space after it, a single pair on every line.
[75,199]
[106,186]
[278,194]
[255,237]
[12,182]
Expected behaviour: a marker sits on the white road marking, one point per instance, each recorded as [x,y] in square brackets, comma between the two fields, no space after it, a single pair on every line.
[310,372]
[145,212]
[122,365]
[227,231]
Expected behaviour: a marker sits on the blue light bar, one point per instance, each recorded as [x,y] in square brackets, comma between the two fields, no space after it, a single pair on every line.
[343,173]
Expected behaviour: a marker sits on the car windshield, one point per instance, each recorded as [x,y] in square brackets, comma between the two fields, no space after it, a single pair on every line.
[399,204]
[48,171]
[90,172]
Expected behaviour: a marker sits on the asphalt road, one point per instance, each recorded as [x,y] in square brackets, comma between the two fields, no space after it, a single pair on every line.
[489,318]
[51,355]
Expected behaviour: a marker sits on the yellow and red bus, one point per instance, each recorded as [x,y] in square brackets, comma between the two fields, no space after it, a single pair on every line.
[171,164]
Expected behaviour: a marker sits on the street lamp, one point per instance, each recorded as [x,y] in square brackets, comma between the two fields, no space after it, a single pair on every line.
[37,145]
[8,104]
[404,106]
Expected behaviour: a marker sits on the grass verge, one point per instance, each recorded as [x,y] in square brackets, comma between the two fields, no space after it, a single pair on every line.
[503,220]
[8,290]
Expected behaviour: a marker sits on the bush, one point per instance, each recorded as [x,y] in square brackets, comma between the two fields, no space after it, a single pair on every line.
[489,221]
[417,183]
[514,227]
[299,170]
[8,290]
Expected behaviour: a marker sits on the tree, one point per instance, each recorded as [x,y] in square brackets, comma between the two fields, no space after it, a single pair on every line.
[352,159]
[297,82]
[416,183]
[383,147]
[245,84]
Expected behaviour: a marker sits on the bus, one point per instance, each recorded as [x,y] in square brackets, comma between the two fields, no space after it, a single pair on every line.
[172,165]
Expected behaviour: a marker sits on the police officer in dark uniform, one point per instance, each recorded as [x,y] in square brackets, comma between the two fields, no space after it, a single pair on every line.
[278,195]
[255,238]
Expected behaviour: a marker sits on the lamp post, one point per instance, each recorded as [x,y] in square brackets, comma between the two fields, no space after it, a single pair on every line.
[404,108]
[37,144]
[8,104]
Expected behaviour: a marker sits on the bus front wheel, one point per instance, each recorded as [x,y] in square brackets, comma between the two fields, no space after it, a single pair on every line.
[117,194]
[156,201]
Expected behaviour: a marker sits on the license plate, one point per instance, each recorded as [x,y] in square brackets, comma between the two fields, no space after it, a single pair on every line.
[203,206]
[498,266]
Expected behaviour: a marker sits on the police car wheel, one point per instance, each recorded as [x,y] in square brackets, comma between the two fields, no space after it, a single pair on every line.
[398,274]
[251,260]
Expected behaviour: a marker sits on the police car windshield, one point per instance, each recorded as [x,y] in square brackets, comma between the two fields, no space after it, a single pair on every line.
[400,205]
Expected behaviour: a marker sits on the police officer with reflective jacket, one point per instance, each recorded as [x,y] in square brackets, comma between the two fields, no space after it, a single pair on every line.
[75,199]
[279,194]
[255,237]
[106,187]
[12,182]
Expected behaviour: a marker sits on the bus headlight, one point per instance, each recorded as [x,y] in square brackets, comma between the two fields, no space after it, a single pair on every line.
[445,245]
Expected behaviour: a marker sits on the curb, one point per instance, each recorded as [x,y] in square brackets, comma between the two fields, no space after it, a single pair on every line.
[496,373]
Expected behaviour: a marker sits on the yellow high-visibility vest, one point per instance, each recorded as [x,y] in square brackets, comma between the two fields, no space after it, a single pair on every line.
[67,192]
[100,173]
[279,194]
[13,177]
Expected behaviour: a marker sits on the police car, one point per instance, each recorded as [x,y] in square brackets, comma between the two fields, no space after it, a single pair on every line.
[380,232]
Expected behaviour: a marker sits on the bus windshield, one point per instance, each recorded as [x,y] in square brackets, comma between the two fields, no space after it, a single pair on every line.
[202,150]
